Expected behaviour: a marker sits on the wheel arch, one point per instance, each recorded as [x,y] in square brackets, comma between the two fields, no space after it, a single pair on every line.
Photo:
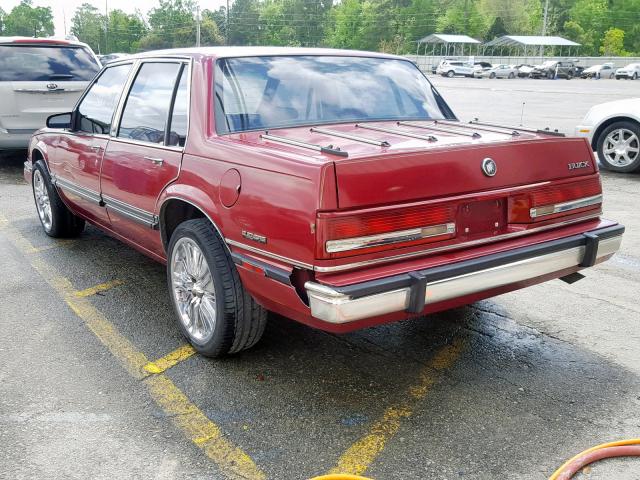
[176,209]
[605,124]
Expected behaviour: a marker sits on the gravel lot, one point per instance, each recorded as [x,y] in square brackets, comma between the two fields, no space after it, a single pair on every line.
[505,388]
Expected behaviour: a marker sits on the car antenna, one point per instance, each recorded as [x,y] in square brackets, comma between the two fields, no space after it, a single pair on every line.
[522,115]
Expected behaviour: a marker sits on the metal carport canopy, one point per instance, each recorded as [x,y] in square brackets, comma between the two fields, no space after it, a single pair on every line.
[446,38]
[530,41]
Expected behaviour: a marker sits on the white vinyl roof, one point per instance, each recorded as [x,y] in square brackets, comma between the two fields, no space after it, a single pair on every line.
[446,38]
[530,40]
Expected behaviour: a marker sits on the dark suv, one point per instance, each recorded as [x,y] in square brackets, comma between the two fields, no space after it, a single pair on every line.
[554,69]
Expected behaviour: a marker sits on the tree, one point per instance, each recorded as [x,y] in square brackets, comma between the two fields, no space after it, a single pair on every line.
[463,17]
[613,43]
[3,16]
[87,24]
[244,22]
[26,20]
[593,17]
[497,29]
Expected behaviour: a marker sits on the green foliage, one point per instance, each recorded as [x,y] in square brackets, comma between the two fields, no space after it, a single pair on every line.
[28,21]
[607,26]
[613,43]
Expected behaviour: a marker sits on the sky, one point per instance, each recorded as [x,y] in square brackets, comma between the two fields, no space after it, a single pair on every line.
[66,8]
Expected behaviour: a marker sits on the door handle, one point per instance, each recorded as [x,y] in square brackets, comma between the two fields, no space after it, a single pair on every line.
[155,160]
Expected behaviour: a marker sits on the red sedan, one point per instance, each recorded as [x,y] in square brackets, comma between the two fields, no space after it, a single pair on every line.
[336,188]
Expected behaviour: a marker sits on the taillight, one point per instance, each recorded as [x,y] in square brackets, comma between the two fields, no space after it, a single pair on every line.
[351,234]
[544,203]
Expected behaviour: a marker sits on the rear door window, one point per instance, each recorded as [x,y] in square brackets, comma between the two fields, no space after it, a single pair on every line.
[95,111]
[146,112]
[46,63]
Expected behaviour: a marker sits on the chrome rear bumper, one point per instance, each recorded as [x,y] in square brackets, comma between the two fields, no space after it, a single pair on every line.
[410,292]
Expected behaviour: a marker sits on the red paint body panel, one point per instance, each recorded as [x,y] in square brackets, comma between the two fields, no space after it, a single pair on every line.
[243,183]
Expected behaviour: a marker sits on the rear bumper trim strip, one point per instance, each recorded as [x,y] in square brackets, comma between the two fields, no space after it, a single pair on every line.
[398,293]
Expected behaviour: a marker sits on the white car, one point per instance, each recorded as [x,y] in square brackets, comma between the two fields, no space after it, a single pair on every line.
[451,68]
[613,130]
[631,71]
[38,78]
[499,71]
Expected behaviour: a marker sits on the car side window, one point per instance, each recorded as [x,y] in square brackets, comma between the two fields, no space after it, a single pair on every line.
[179,115]
[146,110]
[95,111]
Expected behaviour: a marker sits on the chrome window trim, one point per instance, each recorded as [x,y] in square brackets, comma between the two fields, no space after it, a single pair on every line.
[565,206]
[115,124]
[90,86]
[355,243]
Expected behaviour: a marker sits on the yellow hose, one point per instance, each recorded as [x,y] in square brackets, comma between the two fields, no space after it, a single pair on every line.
[619,443]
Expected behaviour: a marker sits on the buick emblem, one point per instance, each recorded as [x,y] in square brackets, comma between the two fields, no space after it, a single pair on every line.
[52,86]
[489,167]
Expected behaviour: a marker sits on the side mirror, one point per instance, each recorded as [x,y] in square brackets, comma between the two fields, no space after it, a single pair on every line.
[59,120]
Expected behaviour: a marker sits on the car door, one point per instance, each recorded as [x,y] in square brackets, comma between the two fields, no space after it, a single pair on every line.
[145,151]
[77,156]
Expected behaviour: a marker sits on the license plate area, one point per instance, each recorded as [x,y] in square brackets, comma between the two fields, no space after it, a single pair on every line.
[482,218]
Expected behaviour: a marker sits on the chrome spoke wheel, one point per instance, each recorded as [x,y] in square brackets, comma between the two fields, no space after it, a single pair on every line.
[43,203]
[193,290]
[621,147]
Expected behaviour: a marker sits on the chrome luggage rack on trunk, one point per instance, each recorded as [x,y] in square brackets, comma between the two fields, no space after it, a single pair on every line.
[298,143]
[546,131]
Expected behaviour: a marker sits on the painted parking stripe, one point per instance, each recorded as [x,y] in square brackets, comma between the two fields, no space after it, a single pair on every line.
[359,456]
[102,287]
[55,244]
[180,354]
[194,424]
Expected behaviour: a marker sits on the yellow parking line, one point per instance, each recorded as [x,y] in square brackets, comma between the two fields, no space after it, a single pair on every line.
[172,359]
[231,460]
[87,292]
[362,453]
[56,244]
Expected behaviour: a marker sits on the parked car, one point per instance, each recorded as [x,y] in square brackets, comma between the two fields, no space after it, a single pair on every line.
[498,71]
[606,70]
[554,69]
[479,67]
[104,59]
[631,71]
[452,68]
[333,187]
[524,70]
[39,77]
[613,131]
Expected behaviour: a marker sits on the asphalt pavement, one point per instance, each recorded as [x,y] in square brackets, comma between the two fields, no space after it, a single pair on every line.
[96,381]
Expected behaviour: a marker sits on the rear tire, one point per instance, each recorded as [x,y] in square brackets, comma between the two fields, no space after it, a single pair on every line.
[214,312]
[56,219]
[451,74]
[512,75]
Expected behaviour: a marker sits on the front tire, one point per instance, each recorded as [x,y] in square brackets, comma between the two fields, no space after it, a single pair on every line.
[56,219]
[214,312]
[618,147]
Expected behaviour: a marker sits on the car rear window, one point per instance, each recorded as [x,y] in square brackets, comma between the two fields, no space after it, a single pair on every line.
[45,63]
[282,91]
